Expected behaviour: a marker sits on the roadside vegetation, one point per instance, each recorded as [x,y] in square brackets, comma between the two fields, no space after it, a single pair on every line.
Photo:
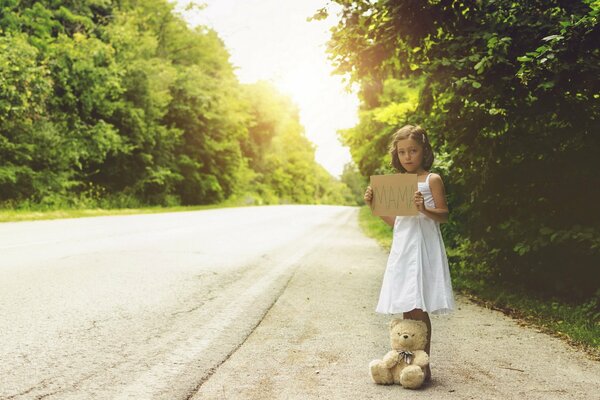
[577,323]
[120,104]
[509,93]
[17,215]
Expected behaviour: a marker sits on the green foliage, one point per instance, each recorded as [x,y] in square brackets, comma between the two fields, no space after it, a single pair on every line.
[578,322]
[109,104]
[25,88]
[375,227]
[281,157]
[369,140]
[355,181]
[511,98]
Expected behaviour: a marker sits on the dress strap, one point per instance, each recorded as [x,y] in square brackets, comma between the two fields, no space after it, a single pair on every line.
[427,179]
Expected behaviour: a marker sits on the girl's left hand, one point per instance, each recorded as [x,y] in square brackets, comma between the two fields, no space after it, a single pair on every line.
[419,201]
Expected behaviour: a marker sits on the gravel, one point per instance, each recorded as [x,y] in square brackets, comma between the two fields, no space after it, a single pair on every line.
[318,338]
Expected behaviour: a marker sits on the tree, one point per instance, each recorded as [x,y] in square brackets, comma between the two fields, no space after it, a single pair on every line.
[281,156]
[24,91]
[122,104]
[511,98]
[355,181]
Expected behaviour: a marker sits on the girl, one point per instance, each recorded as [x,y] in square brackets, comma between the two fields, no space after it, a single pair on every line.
[417,278]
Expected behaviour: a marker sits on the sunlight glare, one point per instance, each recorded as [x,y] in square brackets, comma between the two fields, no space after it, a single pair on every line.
[271,40]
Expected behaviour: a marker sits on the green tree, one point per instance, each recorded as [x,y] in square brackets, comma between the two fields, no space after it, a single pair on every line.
[123,104]
[181,85]
[369,140]
[281,158]
[511,97]
[24,90]
[138,104]
[355,181]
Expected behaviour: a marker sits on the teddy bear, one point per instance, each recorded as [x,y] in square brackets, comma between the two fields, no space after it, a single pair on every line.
[405,364]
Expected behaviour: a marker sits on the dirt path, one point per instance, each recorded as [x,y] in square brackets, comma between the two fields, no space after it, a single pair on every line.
[319,337]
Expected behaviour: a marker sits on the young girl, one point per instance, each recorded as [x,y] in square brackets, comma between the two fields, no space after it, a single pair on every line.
[417,278]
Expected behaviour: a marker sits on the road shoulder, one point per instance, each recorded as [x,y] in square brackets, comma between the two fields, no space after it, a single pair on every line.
[319,337]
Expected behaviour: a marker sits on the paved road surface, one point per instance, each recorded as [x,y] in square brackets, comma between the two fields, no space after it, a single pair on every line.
[248,303]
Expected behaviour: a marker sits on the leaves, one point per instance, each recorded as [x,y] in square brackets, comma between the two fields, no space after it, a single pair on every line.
[125,99]
[511,99]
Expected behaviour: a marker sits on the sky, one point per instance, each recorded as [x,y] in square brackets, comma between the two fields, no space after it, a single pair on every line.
[272,40]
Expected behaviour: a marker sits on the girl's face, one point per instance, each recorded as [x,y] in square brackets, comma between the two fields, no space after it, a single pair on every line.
[410,153]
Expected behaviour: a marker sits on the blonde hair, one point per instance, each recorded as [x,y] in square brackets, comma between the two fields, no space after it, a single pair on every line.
[419,135]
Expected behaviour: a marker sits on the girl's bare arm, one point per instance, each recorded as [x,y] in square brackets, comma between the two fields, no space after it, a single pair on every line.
[440,212]
[389,220]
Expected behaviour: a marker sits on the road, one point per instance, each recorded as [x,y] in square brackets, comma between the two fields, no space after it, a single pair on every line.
[240,303]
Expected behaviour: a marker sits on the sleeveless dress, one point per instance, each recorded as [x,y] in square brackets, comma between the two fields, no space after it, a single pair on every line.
[417,273]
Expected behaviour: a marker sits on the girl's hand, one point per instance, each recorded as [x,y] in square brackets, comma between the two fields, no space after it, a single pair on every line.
[368,195]
[419,201]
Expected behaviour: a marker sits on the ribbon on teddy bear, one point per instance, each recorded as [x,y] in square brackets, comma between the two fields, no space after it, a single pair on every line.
[407,355]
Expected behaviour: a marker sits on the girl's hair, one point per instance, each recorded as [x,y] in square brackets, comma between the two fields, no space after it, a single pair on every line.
[419,135]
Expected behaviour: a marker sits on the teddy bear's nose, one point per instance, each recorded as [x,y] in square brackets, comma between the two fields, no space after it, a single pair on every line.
[405,336]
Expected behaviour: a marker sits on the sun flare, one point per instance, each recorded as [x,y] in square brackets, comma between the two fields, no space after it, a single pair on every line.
[277,44]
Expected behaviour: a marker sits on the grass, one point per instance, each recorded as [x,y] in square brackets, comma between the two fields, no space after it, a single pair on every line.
[374,227]
[10,215]
[578,324]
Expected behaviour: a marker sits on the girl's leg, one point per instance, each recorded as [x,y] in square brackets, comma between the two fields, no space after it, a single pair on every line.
[420,315]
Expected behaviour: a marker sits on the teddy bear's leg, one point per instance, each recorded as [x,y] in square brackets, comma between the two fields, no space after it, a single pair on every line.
[380,373]
[412,377]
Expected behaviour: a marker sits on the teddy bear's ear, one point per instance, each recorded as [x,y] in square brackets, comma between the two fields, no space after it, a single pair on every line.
[395,322]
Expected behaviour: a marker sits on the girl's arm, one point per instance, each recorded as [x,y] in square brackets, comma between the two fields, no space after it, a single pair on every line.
[440,212]
[389,220]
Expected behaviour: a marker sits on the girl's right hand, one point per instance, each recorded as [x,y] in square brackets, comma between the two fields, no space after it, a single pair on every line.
[368,195]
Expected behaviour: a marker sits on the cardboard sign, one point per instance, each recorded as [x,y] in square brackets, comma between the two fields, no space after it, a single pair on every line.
[394,194]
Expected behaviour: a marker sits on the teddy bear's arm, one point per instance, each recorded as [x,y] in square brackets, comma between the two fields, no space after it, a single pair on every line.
[421,358]
[390,359]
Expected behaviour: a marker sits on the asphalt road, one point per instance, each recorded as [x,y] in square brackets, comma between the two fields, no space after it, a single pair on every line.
[142,306]
[241,303]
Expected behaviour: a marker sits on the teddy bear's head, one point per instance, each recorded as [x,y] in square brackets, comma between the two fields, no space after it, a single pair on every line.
[408,334]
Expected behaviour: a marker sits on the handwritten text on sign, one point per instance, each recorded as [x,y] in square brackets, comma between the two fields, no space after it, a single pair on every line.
[394,194]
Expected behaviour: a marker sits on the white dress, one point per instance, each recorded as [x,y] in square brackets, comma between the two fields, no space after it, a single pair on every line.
[417,273]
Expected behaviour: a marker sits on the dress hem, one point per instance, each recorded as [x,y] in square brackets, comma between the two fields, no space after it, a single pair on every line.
[439,311]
